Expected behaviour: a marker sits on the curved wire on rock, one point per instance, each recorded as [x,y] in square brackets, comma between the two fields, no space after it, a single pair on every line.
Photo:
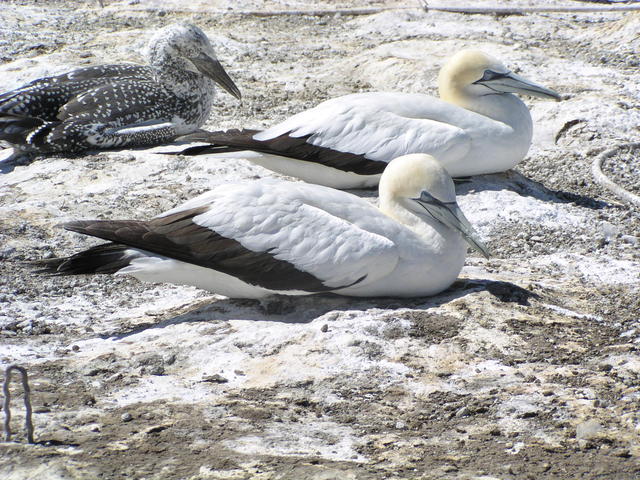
[602,179]
[7,399]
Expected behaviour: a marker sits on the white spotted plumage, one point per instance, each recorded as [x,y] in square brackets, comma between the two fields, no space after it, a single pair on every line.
[100,107]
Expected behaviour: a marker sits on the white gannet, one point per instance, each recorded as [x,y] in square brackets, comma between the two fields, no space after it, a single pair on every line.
[117,105]
[476,127]
[271,236]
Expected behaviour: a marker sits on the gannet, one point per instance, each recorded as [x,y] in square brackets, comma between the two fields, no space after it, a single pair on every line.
[477,126]
[117,105]
[272,236]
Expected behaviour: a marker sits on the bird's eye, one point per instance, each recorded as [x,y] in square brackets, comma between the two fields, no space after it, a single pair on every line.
[491,75]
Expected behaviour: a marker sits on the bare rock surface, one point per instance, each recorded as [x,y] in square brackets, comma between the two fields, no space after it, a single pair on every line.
[527,367]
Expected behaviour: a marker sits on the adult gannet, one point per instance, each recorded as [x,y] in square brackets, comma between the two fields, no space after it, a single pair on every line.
[478,126]
[117,105]
[271,236]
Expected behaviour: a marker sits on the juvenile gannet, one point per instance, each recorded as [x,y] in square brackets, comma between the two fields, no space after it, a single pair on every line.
[117,105]
[271,236]
[476,127]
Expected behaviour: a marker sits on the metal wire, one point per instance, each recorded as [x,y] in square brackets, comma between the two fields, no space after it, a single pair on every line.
[28,424]
[602,179]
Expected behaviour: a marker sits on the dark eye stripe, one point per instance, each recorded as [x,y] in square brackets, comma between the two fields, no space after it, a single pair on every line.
[491,75]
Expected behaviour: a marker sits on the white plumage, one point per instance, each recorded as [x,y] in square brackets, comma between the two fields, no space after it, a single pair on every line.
[277,237]
[476,127]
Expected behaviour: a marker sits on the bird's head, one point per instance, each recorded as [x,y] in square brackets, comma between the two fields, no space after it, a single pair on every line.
[473,73]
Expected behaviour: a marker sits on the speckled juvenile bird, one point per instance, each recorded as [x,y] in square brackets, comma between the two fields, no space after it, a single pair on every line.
[118,105]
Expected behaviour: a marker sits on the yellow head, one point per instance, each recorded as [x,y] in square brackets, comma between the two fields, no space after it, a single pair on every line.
[458,75]
[408,176]
[471,74]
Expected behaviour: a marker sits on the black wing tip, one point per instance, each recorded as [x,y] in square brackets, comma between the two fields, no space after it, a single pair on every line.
[107,258]
[79,226]
[45,266]
[221,141]
[28,131]
[207,149]
[285,145]
[20,125]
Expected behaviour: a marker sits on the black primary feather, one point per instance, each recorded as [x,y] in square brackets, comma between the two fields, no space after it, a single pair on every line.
[285,146]
[107,258]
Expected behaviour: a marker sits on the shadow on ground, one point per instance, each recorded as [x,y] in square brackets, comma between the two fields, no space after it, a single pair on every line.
[291,309]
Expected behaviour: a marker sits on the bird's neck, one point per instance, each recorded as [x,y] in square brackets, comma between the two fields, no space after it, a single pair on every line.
[180,76]
[505,108]
[169,64]
[391,207]
[439,237]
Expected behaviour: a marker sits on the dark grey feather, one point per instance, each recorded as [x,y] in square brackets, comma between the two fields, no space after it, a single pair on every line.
[284,145]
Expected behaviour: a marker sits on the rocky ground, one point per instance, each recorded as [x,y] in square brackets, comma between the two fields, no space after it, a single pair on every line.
[527,367]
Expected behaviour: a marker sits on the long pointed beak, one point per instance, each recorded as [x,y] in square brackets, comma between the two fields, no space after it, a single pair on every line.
[511,83]
[214,70]
[450,215]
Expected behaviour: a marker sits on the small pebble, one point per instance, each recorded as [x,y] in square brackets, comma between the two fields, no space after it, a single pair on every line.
[605,367]
[462,412]
[156,370]
[622,452]
[588,429]
[215,378]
